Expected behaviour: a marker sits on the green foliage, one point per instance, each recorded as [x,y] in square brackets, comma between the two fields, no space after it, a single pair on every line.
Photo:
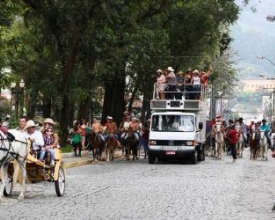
[5,106]
[67,50]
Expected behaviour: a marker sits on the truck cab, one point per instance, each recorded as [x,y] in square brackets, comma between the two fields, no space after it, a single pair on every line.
[177,129]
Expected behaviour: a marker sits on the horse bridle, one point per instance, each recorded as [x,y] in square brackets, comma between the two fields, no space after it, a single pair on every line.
[9,150]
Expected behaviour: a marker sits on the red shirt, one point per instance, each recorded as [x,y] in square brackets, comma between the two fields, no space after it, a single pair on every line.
[232,136]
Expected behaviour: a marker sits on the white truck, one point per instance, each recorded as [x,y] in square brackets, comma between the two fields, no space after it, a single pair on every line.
[177,129]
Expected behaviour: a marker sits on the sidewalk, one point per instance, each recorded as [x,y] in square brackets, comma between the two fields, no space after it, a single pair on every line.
[87,158]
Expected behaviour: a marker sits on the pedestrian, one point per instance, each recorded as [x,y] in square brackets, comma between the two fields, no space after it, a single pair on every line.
[232,136]
[76,139]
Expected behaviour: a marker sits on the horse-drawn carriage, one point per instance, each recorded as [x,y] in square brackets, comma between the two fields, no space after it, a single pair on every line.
[17,158]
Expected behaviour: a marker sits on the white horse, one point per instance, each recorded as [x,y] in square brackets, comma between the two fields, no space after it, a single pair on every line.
[263,145]
[219,140]
[13,146]
[241,140]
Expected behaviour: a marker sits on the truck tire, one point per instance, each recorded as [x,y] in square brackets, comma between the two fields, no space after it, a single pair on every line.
[194,159]
[151,158]
[201,153]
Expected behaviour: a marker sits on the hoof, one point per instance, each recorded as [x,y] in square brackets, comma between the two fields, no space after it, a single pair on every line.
[20,197]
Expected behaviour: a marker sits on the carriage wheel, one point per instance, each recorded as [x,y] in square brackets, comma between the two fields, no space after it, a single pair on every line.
[60,182]
[8,187]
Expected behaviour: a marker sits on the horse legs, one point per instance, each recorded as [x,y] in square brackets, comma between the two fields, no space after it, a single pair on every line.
[22,164]
[220,150]
[4,176]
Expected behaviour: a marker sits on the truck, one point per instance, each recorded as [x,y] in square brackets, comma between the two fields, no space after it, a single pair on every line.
[177,128]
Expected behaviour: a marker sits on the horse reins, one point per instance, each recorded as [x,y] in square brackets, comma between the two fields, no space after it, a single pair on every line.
[9,152]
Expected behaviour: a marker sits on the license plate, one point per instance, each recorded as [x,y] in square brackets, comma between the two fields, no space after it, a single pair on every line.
[170,152]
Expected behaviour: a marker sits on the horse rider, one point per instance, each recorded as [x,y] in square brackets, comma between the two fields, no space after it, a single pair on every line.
[135,126]
[243,130]
[110,128]
[125,126]
[266,128]
[97,128]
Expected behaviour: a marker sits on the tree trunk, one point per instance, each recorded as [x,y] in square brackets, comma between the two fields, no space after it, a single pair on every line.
[114,103]
[47,106]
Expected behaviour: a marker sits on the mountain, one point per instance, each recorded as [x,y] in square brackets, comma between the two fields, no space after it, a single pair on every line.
[254,37]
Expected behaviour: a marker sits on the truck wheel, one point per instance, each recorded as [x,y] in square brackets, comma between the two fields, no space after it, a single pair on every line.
[151,159]
[194,158]
[201,154]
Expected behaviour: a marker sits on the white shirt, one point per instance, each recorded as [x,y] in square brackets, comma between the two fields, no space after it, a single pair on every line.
[38,139]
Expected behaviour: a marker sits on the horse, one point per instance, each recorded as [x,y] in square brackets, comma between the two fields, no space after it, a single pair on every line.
[254,143]
[131,144]
[110,147]
[95,144]
[13,146]
[241,141]
[219,141]
[263,145]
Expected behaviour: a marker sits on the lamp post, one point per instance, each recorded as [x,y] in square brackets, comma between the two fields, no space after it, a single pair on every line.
[17,90]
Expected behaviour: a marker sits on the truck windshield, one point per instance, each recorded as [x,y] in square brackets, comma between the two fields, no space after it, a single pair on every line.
[173,123]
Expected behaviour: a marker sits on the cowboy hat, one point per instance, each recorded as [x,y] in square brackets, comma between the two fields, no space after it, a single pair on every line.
[195,71]
[49,121]
[159,71]
[109,117]
[29,124]
[170,69]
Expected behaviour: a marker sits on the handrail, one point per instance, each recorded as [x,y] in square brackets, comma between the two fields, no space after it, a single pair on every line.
[189,91]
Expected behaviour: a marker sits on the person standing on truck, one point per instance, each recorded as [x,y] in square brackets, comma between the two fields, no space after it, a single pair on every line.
[160,86]
[171,83]
[233,139]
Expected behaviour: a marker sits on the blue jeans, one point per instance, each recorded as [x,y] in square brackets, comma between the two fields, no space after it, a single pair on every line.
[43,152]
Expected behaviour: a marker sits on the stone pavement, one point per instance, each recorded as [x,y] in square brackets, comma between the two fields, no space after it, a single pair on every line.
[87,158]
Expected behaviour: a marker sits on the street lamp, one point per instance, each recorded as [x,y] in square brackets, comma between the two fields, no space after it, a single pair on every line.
[261,58]
[270,18]
[17,90]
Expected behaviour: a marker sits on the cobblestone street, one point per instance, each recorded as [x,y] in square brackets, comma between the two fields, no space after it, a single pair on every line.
[136,190]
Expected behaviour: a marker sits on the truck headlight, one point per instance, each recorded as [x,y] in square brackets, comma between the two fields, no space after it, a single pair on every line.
[152,142]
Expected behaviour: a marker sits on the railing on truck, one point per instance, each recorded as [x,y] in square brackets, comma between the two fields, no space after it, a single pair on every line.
[187,97]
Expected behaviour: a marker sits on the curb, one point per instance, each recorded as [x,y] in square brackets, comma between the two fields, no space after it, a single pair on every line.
[78,163]
[72,164]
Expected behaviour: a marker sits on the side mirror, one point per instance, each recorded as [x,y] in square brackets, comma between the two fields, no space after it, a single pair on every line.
[200,125]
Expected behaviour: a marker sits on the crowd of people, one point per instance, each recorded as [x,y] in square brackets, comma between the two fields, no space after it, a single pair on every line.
[43,139]
[231,133]
[78,135]
[186,85]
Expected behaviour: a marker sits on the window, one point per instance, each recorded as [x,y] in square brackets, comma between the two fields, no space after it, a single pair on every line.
[173,123]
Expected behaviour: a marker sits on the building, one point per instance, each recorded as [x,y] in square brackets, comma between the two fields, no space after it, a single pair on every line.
[253,85]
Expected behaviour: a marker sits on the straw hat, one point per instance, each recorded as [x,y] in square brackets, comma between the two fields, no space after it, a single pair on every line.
[29,124]
[49,121]
[109,117]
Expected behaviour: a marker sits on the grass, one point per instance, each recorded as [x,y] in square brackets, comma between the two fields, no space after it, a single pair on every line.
[67,149]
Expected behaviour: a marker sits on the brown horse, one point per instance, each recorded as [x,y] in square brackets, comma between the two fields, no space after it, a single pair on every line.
[131,145]
[95,144]
[111,145]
